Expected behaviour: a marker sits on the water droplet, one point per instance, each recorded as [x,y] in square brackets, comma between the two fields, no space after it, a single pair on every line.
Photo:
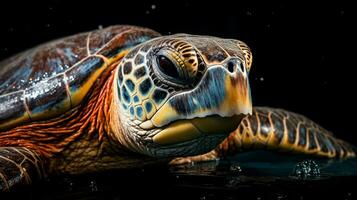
[203,198]
[348,196]
[153,7]
[93,186]
[281,196]
[249,13]
[69,184]
[235,168]
[261,79]
[306,169]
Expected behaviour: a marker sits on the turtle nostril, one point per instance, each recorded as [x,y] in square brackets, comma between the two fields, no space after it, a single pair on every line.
[231,67]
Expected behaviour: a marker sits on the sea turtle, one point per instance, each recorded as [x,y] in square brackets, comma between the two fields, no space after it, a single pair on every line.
[119,96]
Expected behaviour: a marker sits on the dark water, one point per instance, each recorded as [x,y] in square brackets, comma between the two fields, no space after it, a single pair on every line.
[302,62]
[253,175]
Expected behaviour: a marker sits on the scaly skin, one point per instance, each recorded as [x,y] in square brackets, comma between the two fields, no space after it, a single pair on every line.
[27,167]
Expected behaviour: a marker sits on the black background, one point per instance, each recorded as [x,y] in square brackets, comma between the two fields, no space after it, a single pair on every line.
[303,54]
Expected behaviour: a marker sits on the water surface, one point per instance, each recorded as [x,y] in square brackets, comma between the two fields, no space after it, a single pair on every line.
[252,175]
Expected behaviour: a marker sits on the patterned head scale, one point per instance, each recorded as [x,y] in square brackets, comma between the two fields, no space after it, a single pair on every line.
[178,89]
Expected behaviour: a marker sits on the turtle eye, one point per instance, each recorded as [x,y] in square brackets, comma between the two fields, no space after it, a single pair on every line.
[167,67]
[171,69]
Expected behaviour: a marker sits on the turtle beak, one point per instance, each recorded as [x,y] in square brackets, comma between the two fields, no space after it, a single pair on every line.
[215,106]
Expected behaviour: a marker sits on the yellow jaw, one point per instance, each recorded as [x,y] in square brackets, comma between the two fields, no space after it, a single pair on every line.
[186,130]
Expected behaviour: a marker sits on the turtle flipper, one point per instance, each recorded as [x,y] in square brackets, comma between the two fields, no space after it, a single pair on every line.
[212,155]
[281,130]
[18,166]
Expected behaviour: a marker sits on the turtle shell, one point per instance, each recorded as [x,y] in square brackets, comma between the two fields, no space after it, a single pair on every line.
[52,78]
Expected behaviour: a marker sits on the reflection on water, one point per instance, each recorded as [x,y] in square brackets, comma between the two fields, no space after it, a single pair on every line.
[253,175]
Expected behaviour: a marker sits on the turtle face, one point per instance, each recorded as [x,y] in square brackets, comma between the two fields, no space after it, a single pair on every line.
[181,95]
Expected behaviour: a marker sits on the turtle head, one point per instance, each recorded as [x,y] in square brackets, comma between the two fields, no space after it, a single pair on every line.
[181,95]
